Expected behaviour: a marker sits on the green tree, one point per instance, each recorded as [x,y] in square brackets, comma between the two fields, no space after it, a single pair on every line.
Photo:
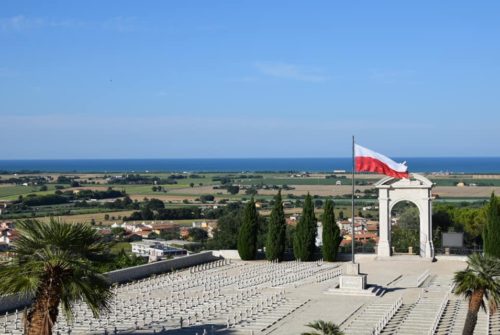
[492,229]
[341,215]
[155,204]
[226,233]
[207,197]
[247,237]
[276,234]
[170,234]
[233,189]
[331,233]
[402,238]
[480,281]
[251,191]
[305,234]
[409,218]
[323,328]
[198,235]
[56,264]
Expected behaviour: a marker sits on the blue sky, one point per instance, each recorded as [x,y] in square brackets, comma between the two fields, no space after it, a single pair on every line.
[182,79]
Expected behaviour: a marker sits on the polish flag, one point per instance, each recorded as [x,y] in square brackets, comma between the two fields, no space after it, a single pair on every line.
[370,161]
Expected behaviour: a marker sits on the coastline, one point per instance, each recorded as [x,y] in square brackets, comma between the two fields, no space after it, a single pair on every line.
[437,165]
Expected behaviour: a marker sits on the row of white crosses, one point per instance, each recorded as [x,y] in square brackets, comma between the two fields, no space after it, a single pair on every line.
[12,324]
[328,274]
[220,292]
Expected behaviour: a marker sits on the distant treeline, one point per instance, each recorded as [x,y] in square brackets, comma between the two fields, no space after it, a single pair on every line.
[155,180]
[154,209]
[30,180]
[60,197]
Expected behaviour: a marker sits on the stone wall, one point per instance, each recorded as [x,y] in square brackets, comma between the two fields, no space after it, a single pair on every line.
[146,270]
[227,254]
[10,303]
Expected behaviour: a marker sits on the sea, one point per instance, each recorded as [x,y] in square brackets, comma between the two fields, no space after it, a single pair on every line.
[444,165]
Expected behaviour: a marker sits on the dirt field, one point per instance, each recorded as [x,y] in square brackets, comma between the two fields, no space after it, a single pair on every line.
[321,190]
[334,190]
[165,197]
[98,217]
[465,192]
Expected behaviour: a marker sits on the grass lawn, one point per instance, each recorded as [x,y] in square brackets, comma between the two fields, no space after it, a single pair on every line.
[300,181]
[11,192]
[119,246]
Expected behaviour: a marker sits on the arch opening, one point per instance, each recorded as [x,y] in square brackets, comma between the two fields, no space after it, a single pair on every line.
[405,228]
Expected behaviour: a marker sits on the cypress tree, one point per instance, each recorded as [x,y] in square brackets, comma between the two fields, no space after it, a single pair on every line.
[304,243]
[247,237]
[331,233]
[491,233]
[276,234]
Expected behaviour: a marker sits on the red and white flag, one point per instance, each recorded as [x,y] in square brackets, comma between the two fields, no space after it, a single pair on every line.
[370,161]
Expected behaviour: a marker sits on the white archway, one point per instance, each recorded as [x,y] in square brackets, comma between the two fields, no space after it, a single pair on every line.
[417,190]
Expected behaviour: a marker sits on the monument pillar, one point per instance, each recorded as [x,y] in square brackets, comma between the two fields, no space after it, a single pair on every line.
[384,246]
[426,245]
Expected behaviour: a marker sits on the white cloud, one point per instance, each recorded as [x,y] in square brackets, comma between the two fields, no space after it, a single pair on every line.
[290,71]
[20,22]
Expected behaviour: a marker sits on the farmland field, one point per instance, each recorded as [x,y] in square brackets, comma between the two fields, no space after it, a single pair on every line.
[188,191]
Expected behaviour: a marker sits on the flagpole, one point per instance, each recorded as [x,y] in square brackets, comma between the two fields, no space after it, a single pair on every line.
[352,204]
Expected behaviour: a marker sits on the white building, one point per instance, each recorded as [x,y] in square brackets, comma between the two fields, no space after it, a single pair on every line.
[155,249]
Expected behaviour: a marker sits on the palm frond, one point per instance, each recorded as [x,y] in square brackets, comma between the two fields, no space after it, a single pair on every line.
[482,273]
[324,328]
[71,252]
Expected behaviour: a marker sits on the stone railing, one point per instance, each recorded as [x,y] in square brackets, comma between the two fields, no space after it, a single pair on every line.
[488,316]
[423,277]
[439,314]
[387,316]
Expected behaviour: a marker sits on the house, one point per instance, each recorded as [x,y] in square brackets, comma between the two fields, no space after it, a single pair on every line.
[362,238]
[346,226]
[8,236]
[7,233]
[132,237]
[164,227]
[372,227]
[293,219]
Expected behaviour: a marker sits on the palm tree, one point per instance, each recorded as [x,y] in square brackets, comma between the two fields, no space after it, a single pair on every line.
[55,263]
[323,328]
[480,281]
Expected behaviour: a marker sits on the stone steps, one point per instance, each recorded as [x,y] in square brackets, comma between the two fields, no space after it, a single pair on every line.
[453,319]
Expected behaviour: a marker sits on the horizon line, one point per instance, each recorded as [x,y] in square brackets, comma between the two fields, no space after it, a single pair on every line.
[204,158]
